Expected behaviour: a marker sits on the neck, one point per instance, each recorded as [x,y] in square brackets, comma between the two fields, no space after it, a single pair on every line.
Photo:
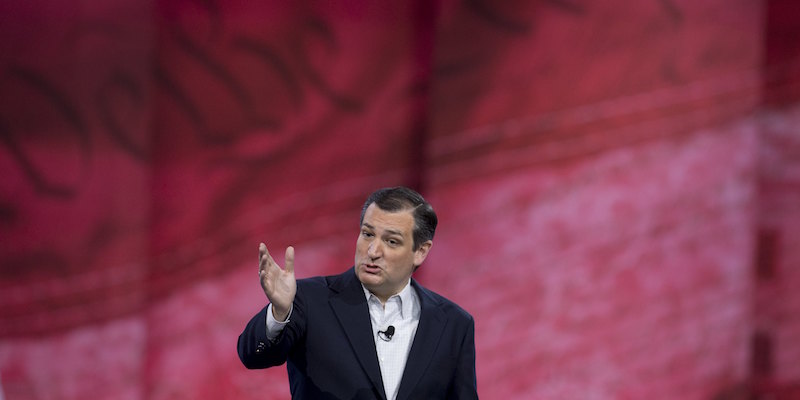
[383,297]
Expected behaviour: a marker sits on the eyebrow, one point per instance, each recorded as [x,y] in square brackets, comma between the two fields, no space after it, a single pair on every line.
[390,231]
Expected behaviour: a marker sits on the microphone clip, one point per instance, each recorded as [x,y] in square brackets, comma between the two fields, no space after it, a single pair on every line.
[387,334]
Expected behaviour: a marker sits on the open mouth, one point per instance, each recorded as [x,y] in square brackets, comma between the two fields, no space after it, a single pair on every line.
[371,268]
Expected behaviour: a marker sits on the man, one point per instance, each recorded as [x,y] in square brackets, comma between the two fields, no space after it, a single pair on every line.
[371,332]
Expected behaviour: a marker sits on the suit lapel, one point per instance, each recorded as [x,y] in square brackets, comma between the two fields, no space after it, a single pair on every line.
[350,306]
[432,321]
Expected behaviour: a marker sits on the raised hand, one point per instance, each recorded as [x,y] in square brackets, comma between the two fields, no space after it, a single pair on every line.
[279,284]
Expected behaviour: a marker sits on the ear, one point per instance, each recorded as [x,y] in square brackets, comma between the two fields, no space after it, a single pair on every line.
[422,252]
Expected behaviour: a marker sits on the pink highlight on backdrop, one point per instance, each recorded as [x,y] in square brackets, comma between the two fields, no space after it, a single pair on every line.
[617,186]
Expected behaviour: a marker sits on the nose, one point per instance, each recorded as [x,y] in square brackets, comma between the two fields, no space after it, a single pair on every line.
[374,250]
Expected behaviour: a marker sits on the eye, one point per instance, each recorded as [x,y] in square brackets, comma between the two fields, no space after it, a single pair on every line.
[366,234]
[393,242]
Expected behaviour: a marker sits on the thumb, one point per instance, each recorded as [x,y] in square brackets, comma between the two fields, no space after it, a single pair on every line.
[289,258]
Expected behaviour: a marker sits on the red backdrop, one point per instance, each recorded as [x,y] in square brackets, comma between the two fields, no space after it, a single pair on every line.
[617,185]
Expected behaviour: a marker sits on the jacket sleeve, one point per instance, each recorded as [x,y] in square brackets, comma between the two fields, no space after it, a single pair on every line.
[465,384]
[256,351]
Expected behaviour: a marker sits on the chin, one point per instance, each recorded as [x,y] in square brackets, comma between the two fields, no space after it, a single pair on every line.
[366,278]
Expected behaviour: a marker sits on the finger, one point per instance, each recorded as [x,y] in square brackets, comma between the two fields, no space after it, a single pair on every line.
[269,262]
[262,249]
[263,257]
[289,258]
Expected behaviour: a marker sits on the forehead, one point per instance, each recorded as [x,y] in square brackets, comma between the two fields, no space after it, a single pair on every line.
[401,222]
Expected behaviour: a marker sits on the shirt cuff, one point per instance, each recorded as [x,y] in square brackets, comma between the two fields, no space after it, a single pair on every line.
[274,328]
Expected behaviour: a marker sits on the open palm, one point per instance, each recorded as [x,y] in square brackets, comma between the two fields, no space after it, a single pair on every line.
[279,284]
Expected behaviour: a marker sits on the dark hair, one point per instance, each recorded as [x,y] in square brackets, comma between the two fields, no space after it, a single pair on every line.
[400,199]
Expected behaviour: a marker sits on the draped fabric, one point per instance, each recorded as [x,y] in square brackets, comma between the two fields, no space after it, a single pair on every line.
[596,169]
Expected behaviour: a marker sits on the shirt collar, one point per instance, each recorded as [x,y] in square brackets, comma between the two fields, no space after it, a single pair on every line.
[407,299]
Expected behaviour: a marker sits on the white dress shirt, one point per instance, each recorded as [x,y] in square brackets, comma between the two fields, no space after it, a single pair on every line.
[401,311]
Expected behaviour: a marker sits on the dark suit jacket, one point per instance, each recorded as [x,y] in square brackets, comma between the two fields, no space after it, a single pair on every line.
[330,351]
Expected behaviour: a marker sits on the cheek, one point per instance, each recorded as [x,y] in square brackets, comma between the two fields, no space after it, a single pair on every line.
[402,259]
[361,247]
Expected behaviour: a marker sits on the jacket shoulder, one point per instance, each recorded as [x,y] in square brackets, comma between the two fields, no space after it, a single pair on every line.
[329,282]
[437,300]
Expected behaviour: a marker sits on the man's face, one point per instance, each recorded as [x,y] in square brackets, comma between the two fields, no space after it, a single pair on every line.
[385,258]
